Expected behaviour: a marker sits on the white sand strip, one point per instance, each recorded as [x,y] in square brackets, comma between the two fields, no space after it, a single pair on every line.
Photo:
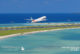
[12,35]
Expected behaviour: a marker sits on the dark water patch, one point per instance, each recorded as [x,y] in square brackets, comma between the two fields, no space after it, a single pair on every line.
[70,52]
[71,37]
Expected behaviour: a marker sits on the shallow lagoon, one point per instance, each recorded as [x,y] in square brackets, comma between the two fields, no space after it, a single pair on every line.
[34,24]
[52,42]
[21,24]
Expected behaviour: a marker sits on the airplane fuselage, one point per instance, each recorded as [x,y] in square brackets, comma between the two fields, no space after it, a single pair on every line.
[39,19]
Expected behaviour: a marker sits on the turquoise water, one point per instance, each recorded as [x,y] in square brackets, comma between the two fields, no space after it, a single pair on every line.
[32,24]
[51,42]
[21,24]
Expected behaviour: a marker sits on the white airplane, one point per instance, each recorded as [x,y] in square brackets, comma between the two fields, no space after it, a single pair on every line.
[43,18]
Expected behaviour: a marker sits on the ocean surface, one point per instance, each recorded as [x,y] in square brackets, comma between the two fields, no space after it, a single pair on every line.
[52,42]
[20,18]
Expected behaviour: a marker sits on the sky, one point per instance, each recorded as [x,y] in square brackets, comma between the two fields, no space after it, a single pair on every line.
[39,6]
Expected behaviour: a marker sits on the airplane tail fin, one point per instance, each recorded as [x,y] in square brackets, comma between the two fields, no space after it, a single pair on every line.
[31,18]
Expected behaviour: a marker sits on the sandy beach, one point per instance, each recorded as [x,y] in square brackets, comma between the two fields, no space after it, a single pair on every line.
[25,33]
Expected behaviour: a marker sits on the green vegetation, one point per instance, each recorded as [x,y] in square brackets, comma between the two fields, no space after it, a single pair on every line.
[8,32]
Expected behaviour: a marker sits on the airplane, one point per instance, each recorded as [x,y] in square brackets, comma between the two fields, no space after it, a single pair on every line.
[43,18]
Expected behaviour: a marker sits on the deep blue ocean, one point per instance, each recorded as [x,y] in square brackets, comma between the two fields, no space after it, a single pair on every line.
[20,18]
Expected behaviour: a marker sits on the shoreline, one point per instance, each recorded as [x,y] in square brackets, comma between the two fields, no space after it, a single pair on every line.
[26,33]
